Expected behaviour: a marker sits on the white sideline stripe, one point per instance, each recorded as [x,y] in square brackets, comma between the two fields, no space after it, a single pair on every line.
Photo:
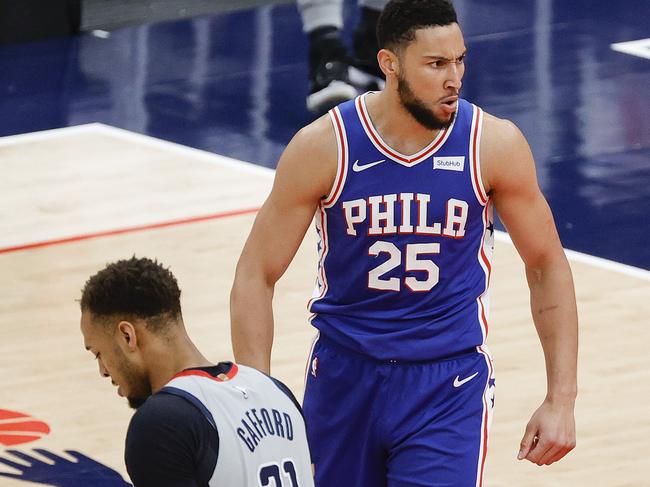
[185,150]
[591,260]
[142,139]
[47,134]
[640,48]
[268,172]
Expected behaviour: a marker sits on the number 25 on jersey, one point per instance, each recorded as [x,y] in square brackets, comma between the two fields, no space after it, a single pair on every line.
[413,262]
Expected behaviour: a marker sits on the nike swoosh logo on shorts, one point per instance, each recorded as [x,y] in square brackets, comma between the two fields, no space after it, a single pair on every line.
[356,167]
[458,383]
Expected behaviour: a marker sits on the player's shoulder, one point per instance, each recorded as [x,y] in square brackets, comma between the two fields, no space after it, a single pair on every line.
[499,131]
[505,154]
[502,142]
[317,138]
[168,442]
[308,165]
[165,409]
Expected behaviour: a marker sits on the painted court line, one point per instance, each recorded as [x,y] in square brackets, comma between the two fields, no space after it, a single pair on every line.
[591,260]
[47,134]
[121,231]
[183,150]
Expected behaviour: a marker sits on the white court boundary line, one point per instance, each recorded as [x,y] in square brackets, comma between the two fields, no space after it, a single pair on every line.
[591,260]
[209,157]
[100,128]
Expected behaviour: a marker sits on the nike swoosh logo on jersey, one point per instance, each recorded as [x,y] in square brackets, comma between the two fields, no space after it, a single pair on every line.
[356,167]
[458,383]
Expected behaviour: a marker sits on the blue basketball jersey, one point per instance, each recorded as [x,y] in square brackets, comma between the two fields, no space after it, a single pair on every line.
[405,242]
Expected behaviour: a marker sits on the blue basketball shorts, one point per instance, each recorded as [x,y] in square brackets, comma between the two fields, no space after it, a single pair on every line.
[397,424]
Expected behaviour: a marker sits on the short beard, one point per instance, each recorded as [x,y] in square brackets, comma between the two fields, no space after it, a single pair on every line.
[136,402]
[418,109]
[137,381]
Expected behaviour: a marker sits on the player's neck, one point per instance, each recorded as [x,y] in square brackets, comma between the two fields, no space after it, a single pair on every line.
[396,125]
[179,354]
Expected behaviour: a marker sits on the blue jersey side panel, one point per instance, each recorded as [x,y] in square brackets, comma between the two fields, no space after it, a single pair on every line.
[405,242]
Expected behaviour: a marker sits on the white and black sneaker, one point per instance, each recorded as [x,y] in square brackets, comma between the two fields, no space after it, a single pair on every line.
[328,71]
[365,79]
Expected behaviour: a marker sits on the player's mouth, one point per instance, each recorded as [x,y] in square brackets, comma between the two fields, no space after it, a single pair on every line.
[449,104]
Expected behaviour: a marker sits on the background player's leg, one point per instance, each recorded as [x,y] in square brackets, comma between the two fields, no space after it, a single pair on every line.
[342,426]
[329,84]
[364,72]
[440,430]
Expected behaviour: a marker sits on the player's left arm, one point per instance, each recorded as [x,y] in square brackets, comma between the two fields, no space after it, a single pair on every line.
[510,179]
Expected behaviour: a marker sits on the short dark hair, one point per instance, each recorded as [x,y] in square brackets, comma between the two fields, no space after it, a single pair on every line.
[137,287]
[401,18]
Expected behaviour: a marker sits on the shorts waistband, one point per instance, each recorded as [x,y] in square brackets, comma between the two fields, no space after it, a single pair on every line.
[329,342]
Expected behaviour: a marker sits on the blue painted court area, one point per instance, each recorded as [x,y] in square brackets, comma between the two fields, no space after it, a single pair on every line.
[235,84]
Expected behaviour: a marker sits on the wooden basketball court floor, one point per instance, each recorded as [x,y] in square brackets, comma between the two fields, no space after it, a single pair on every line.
[74,199]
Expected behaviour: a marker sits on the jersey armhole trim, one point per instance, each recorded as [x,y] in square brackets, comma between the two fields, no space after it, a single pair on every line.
[287,392]
[474,154]
[193,400]
[342,158]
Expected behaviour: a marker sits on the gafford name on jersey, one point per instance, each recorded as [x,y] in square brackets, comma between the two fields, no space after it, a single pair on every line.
[258,424]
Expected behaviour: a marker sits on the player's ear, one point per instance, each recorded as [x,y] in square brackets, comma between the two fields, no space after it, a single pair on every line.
[127,336]
[388,62]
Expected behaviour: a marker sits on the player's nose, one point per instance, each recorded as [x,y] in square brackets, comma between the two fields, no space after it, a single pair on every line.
[455,76]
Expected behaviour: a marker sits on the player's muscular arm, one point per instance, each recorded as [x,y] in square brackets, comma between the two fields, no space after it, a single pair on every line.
[305,174]
[509,176]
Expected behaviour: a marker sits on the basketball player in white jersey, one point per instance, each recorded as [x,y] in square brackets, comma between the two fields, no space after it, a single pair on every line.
[197,424]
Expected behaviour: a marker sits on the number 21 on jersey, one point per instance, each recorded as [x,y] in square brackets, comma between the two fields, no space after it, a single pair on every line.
[272,474]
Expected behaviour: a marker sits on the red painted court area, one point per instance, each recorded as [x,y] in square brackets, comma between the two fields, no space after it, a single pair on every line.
[18,428]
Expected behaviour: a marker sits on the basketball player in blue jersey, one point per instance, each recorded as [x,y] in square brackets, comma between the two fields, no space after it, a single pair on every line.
[403,183]
[197,424]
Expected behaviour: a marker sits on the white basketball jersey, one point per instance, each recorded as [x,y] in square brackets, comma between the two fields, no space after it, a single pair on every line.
[262,436]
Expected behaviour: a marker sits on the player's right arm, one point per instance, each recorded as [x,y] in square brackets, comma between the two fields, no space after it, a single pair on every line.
[170,443]
[305,174]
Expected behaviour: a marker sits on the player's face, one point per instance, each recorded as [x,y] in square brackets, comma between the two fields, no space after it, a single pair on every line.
[430,75]
[105,343]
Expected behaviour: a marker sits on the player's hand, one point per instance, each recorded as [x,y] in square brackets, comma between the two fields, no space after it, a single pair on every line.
[550,433]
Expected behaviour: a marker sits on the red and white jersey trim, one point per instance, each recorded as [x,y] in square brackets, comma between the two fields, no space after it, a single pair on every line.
[342,159]
[487,240]
[333,196]
[486,420]
[384,148]
[484,257]
[321,279]
[202,373]
[474,154]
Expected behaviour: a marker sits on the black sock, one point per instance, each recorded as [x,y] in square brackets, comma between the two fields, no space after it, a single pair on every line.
[325,43]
